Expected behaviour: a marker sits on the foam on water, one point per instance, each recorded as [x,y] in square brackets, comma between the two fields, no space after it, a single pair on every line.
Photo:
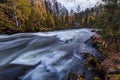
[53,59]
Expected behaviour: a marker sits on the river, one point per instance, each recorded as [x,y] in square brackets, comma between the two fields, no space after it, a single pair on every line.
[45,55]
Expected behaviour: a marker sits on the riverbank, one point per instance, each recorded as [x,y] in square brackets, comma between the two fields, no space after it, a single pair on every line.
[111,64]
[5,30]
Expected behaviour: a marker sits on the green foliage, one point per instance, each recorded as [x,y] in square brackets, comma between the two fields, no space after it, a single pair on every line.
[39,16]
[105,17]
[50,23]
[23,9]
[5,17]
[29,16]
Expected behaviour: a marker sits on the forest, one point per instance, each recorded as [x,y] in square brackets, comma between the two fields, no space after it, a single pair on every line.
[27,16]
[39,15]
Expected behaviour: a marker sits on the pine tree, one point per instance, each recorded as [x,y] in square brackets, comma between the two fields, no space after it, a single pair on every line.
[111,10]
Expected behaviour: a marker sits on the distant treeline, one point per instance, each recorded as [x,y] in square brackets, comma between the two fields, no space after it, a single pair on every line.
[39,15]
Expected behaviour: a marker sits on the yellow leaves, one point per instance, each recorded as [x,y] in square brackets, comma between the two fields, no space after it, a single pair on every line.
[40,7]
[23,9]
[40,10]
[114,77]
[92,17]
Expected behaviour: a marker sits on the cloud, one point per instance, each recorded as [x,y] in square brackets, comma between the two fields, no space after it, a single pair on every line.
[72,4]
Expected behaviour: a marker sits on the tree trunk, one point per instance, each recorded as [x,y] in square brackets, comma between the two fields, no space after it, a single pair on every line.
[15,15]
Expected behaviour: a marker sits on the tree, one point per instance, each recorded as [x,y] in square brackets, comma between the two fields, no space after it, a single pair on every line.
[111,10]
[21,9]
[77,17]
[56,8]
[50,21]
[72,17]
[78,9]
[48,6]
[6,14]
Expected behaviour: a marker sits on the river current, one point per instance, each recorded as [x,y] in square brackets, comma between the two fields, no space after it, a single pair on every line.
[45,55]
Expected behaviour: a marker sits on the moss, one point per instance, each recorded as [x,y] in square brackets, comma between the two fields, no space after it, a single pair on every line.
[114,77]
[96,78]
[91,61]
[72,75]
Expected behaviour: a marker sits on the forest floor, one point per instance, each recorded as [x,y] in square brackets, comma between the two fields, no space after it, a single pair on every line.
[111,64]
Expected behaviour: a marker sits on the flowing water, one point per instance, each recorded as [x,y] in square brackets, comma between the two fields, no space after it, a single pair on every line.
[45,55]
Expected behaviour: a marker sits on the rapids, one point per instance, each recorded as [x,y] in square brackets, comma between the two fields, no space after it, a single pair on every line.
[45,55]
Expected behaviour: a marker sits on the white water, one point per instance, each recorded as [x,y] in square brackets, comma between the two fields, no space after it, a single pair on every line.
[55,53]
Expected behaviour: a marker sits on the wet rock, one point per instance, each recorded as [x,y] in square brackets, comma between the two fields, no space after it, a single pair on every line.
[93,30]
[89,43]
[86,55]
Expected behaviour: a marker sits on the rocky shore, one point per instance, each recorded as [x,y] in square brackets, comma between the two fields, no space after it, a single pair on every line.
[111,64]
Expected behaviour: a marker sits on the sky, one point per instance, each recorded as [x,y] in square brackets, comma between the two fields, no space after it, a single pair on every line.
[73,4]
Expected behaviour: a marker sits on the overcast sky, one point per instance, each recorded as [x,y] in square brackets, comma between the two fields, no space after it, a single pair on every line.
[72,4]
